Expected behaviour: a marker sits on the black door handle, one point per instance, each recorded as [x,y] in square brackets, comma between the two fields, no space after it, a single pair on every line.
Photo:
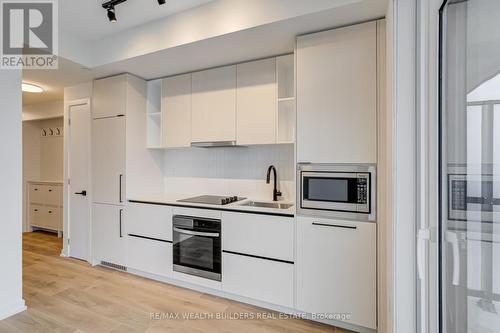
[84,193]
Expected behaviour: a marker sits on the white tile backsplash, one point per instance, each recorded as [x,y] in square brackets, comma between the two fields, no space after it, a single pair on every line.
[229,171]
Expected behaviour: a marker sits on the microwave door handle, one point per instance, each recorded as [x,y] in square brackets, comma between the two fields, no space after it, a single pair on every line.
[197,233]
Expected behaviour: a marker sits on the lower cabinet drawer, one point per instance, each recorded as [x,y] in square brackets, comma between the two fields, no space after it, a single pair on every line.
[36,215]
[53,195]
[150,256]
[53,218]
[264,280]
[258,235]
[154,221]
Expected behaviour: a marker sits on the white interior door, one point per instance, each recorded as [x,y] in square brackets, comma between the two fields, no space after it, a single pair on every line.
[79,175]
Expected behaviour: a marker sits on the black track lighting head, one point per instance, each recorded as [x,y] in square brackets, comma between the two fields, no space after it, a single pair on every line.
[110,7]
[111,14]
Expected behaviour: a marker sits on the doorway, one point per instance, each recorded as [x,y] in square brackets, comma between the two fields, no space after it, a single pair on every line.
[78,177]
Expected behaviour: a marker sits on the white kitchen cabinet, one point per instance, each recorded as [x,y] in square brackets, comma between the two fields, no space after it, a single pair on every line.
[214,105]
[336,269]
[337,95]
[150,256]
[108,234]
[260,279]
[108,160]
[176,111]
[256,102]
[109,96]
[153,221]
[259,235]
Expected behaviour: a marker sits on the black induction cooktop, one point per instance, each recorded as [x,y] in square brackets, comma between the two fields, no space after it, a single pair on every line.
[213,199]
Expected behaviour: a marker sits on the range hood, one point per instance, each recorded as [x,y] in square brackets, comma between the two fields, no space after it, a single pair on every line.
[214,144]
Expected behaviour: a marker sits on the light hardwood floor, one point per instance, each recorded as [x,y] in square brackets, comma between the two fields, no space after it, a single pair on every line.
[66,295]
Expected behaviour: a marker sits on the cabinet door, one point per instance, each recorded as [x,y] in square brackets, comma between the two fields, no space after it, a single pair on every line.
[214,105]
[109,96]
[53,194]
[337,95]
[260,279]
[108,160]
[153,221]
[150,256]
[109,241]
[37,215]
[52,217]
[176,108]
[256,102]
[36,193]
[259,235]
[336,269]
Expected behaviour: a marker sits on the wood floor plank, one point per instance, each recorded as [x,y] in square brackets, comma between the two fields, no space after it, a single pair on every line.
[69,296]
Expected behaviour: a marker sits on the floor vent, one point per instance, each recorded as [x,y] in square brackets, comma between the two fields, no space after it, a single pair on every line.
[114,266]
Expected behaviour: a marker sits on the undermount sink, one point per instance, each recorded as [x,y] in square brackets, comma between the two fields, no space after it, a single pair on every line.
[276,205]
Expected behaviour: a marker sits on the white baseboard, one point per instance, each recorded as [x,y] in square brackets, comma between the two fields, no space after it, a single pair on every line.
[12,309]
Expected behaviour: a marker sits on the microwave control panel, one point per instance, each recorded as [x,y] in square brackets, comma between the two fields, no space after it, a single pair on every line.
[362,189]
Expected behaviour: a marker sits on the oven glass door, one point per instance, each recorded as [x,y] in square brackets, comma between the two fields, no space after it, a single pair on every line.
[197,253]
[346,192]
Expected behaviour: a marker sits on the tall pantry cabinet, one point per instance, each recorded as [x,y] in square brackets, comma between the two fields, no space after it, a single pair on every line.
[114,100]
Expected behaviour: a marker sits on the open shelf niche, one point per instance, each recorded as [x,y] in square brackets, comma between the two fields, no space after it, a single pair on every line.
[285,73]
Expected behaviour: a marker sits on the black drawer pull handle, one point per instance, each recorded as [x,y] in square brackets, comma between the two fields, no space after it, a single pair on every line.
[36,189]
[50,190]
[50,212]
[36,210]
[335,225]
[84,193]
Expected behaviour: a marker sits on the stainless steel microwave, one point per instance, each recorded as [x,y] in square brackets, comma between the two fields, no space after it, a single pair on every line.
[344,191]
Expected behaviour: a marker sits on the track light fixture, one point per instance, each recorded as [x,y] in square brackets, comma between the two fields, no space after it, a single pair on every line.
[110,8]
[111,14]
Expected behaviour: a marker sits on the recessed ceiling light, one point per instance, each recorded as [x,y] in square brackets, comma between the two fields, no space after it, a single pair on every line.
[28,87]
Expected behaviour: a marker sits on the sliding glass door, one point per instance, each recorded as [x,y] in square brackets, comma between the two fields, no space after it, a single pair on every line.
[469,228]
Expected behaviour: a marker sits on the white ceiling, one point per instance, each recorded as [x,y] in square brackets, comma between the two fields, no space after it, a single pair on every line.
[87,19]
[251,40]
[54,81]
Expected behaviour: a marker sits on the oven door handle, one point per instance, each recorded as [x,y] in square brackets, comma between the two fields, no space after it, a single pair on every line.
[197,233]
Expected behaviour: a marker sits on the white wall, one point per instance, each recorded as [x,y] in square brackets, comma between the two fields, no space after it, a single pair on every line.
[45,110]
[11,299]
[230,171]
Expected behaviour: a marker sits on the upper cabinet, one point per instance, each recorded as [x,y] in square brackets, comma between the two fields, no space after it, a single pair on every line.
[176,110]
[213,108]
[110,96]
[246,104]
[337,95]
[256,102]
